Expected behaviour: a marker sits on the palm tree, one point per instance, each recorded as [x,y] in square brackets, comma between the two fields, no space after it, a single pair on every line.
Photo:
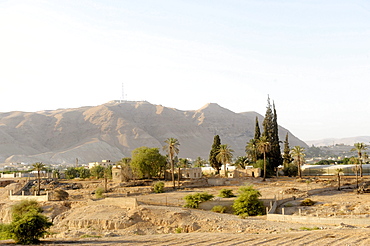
[224,155]
[199,162]
[38,166]
[263,146]
[172,149]
[298,153]
[359,147]
[338,172]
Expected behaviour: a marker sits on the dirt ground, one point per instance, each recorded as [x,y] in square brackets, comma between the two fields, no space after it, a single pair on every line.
[160,219]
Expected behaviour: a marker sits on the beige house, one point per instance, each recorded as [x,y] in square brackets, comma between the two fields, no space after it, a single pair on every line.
[104,163]
[186,173]
[249,172]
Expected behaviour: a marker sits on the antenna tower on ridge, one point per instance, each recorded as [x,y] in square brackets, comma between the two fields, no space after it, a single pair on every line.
[123,94]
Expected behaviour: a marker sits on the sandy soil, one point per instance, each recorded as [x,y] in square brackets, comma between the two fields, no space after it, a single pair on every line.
[154,223]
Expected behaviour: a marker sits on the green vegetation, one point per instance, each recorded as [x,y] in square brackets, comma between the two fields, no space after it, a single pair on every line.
[158,187]
[99,192]
[215,164]
[61,195]
[172,149]
[226,193]
[309,228]
[298,153]
[307,202]
[287,157]
[90,236]
[290,170]
[264,146]
[4,232]
[38,166]
[219,209]
[247,203]
[28,224]
[178,230]
[147,162]
[193,201]
[224,155]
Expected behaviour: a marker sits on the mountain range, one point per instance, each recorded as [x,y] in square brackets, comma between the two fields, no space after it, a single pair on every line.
[339,141]
[112,130]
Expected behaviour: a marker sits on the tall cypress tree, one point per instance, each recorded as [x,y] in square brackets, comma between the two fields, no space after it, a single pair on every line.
[251,147]
[287,157]
[271,132]
[257,131]
[276,158]
[213,153]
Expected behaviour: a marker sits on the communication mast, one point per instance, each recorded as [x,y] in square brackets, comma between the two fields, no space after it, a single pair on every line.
[123,94]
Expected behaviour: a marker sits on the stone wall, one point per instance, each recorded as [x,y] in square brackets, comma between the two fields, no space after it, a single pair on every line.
[123,202]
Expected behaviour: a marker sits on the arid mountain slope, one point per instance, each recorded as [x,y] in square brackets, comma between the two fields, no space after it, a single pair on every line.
[113,130]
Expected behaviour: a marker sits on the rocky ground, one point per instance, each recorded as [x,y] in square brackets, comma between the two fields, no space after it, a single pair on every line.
[160,219]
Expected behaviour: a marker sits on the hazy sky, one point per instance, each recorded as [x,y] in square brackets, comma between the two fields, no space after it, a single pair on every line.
[311,57]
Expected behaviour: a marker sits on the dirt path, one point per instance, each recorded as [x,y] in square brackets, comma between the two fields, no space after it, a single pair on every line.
[338,237]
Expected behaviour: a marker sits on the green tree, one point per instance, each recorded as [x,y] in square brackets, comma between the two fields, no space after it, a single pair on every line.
[183,163]
[215,164]
[28,224]
[224,155]
[257,130]
[147,162]
[275,153]
[271,132]
[56,174]
[241,162]
[359,147]
[172,149]
[298,153]
[83,173]
[247,203]
[287,157]
[71,173]
[251,150]
[338,171]
[97,171]
[199,162]
[264,146]
[125,168]
[38,166]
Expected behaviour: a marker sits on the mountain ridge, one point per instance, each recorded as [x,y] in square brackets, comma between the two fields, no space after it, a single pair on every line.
[112,130]
[334,141]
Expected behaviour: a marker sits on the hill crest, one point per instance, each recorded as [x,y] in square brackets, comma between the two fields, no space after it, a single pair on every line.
[112,130]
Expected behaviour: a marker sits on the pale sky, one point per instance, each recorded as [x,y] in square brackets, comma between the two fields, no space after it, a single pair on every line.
[311,57]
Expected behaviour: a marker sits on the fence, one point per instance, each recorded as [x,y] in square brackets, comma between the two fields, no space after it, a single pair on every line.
[271,216]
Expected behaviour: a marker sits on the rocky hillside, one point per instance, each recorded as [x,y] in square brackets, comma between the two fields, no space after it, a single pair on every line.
[113,130]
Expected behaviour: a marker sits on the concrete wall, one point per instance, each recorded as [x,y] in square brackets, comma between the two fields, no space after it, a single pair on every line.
[43,198]
[319,220]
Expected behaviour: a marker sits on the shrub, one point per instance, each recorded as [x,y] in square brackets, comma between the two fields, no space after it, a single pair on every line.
[307,202]
[158,187]
[193,201]
[4,232]
[219,209]
[247,203]
[61,195]
[309,228]
[99,192]
[291,170]
[28,224]
[226,193]
[178,230]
